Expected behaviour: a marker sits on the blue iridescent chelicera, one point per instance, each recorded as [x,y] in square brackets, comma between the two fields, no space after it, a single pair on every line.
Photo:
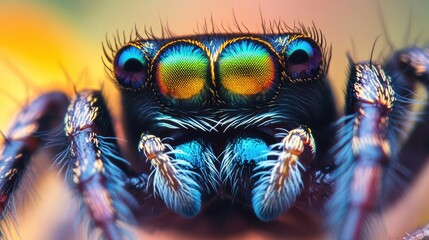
[303,59]
[131,67]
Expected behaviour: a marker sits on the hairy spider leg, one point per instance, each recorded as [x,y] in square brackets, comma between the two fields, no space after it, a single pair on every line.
[363,151]
[408,67]
[180,176]
[418,234]
[280,181]
[27,135]
[94,165]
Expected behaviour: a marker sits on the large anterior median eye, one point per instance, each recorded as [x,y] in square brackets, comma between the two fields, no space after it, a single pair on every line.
[303,60]
[247,71]
[130,67]
[181,72]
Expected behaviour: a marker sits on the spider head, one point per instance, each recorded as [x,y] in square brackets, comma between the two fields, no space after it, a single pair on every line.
[228,99]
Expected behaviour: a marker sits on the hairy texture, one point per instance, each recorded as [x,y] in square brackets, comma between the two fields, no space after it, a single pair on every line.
[172,180]
[364,153]
[93,166]
[23,140]
[280,181]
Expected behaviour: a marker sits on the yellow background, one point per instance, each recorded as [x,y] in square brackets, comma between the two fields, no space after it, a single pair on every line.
[38,37]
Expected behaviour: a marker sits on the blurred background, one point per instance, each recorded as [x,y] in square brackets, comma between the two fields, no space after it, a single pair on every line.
[42,39]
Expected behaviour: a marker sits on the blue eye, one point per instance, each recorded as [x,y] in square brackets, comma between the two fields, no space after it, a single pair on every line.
[304,60]
[299,51]
[130,67]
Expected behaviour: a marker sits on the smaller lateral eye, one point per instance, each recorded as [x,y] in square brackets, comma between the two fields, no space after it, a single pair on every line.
[130,67]
[303,60]
[299,52]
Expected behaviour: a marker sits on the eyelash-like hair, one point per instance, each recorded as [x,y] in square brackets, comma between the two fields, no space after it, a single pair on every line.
[112,46]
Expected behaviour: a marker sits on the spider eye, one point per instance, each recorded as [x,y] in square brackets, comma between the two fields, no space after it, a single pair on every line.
[182,73]
[300,52]
[247,70]
[303,60]
[130,67]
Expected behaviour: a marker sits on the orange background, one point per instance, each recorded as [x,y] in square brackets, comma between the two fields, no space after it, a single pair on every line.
[37,37]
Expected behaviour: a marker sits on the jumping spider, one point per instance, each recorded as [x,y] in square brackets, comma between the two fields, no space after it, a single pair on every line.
[225,117]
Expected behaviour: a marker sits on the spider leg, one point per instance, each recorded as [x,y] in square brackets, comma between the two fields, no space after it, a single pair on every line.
[94,164]
[181,176]
[24,138]
[418,234]
[411,66]
[363,151]
[280,181]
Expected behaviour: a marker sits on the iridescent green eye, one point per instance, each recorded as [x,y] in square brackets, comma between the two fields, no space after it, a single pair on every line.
[130,67]
[303,59]
[246,69]
[181,71]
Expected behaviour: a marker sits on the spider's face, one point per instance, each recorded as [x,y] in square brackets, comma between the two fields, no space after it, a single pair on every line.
[224,102]
[230,71]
